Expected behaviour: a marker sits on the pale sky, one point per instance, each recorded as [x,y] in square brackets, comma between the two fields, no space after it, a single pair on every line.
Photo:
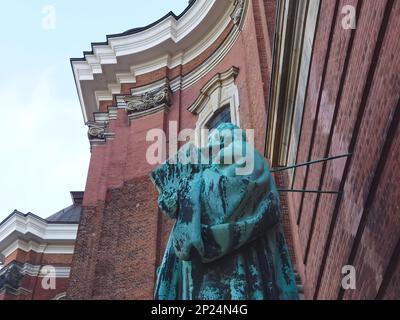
[44,151]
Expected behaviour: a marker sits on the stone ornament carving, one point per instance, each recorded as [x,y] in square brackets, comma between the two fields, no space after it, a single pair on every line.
[10,277]
[148,102]
[97,130]
[238,11]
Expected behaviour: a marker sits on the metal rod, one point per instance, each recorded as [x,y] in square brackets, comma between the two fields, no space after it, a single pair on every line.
[310,163]
[309,191]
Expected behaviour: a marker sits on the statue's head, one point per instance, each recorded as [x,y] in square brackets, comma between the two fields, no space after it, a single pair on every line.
[228,148]
[225,134]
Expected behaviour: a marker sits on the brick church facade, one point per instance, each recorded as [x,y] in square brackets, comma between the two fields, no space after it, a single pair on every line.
[309,83]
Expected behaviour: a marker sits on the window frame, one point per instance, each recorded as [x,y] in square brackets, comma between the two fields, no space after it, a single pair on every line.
[217,93]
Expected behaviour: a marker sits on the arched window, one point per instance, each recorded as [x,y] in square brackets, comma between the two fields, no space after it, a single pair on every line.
[218,102]
[221,115]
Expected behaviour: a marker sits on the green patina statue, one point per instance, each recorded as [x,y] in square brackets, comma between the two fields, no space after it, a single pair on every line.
[227,242]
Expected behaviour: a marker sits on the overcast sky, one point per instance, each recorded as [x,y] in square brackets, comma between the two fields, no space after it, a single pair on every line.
[44,151]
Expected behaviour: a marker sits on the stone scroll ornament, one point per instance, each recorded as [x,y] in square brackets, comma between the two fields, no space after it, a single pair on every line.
[148,100]
[96,130]
[227,242]
[238,12]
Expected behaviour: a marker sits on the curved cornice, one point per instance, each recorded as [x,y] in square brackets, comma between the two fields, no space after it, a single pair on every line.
[169,28]
[170,42]
[129,32]
[170,22]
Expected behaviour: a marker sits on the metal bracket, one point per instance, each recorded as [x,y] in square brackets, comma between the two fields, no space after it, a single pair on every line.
[308,164]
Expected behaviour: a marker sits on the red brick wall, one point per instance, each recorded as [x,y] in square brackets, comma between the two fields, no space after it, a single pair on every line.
[127,250]
[85,255]
[282,183]
[352,105]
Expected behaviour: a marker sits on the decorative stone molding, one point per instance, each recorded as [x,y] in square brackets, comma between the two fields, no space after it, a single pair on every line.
[33,246]
[97,131]
[105,117]
[12,274]
[218,81]
[10,277]
[149,102]
[238,13]
[218,92]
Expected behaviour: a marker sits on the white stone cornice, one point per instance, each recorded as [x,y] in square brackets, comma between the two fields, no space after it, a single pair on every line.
[41,271]
[169,43]
[107,95]
[37,247]
[19,226]
[128,77]
[168,29]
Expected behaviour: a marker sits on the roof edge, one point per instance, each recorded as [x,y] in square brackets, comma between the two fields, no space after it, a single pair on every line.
[133,31]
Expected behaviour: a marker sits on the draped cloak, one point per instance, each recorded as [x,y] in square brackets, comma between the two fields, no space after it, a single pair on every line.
[227,242]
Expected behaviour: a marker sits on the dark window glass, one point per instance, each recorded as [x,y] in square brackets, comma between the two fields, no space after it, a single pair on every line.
[222,115]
